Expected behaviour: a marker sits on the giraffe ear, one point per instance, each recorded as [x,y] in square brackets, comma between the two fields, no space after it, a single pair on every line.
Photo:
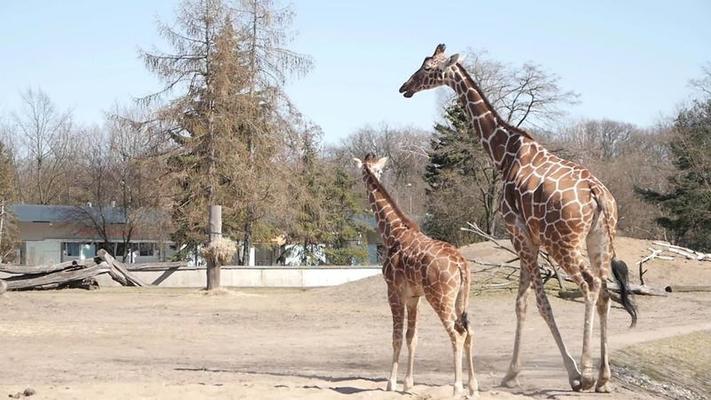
[455,58]
[380,164]
[359,163]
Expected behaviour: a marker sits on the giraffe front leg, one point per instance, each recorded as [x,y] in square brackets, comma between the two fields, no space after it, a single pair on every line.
[544,308]
[524,285]
[398,312]
[411,337]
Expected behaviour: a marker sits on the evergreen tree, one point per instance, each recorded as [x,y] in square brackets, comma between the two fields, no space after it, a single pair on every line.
[347,246]
[688,201]
[8,231]
[326,227]
[227,122]
[460,179]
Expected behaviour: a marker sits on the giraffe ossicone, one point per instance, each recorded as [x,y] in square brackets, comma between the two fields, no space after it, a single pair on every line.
[546,202]
[414,266]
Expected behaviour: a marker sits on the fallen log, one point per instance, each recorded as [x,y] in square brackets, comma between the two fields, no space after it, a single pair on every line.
[157,266]
[59,277]
[636,289]
[43,269]
[130,277]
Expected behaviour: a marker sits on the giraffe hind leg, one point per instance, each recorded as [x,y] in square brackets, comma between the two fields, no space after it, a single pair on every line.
[411,336]
[398,314]
[598,245]
[444,307]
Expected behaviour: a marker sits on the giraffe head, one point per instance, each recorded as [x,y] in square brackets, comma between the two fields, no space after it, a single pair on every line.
[371,164]
[431,74]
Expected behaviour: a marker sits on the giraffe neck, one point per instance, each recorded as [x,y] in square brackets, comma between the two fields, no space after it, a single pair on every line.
[500,140]
[391,221]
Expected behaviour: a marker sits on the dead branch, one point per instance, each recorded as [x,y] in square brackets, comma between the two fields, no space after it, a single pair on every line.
[686,289]
[683,251]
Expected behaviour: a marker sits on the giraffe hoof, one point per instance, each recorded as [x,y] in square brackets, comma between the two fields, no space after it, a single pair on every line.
[473,388]
[602,388]
[409,384]
[587,382]
[576,384]
[510,381]
[392,386]
[458,390]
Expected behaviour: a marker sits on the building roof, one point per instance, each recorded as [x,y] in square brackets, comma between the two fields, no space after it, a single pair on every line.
[62,213]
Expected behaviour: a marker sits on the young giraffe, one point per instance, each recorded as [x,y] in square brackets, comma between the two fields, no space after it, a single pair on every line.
[546,202]
[414,266]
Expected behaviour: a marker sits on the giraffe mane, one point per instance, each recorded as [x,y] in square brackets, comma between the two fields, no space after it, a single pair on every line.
[496,115]
[407,221]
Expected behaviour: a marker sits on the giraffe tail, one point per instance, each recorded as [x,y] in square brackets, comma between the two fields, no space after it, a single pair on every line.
[621,274]
[461,304]
[619,268]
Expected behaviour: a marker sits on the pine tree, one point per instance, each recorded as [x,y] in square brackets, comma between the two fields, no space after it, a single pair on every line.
[227,122]
[688,201]
[460,178]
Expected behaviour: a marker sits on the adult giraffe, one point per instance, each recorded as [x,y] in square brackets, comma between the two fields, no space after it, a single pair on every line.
[415,266]
[546,202]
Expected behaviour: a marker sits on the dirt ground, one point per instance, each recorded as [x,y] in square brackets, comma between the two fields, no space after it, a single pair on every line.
[124,343]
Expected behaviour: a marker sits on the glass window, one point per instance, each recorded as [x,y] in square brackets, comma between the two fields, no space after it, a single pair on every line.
[145,249]
[72,249]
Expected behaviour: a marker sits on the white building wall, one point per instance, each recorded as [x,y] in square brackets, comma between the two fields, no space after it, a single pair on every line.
[43,252]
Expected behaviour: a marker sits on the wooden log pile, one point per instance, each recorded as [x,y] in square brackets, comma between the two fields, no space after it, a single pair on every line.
[76,274]
[548,268]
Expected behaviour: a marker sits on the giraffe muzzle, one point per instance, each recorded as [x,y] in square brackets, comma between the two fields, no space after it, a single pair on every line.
[405,90]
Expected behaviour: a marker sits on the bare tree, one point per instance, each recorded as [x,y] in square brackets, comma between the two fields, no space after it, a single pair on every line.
[525,96]
[703,83]
[406,149]
[45,137]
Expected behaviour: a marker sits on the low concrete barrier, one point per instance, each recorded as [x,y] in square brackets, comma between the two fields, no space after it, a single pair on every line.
[236,276]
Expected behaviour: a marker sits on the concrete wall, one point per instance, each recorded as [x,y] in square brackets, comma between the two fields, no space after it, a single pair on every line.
[297,277]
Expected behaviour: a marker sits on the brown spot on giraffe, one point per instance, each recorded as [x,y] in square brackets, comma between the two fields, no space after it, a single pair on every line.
[569,208]
[416,265]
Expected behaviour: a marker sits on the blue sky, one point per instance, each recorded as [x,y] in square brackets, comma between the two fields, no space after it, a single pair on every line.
[629,60]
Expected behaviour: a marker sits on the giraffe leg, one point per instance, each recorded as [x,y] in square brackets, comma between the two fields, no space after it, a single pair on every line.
[398,312]
[544,308]
[472,384]
[524,285]
[603,306]
[598,245]
[591,290]
[445,310]
[411,337]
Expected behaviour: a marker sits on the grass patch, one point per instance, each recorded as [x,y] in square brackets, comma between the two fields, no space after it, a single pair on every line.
[676,367]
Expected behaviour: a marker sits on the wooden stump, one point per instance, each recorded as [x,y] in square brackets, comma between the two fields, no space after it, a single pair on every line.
[215,231]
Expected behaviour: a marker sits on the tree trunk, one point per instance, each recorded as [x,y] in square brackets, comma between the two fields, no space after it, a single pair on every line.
[215,231]
[247,242]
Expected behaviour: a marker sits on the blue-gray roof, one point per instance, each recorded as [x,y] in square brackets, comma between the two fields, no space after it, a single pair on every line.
[57,213]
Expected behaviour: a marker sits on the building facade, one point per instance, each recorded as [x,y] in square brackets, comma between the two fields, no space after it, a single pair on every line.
[51,234]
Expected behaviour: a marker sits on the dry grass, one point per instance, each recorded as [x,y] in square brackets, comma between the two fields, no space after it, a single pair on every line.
[676,367]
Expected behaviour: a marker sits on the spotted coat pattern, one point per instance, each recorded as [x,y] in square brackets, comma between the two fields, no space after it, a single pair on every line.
[416,265]
[547,202]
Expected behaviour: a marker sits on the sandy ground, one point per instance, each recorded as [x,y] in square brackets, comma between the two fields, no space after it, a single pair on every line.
[125,343]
